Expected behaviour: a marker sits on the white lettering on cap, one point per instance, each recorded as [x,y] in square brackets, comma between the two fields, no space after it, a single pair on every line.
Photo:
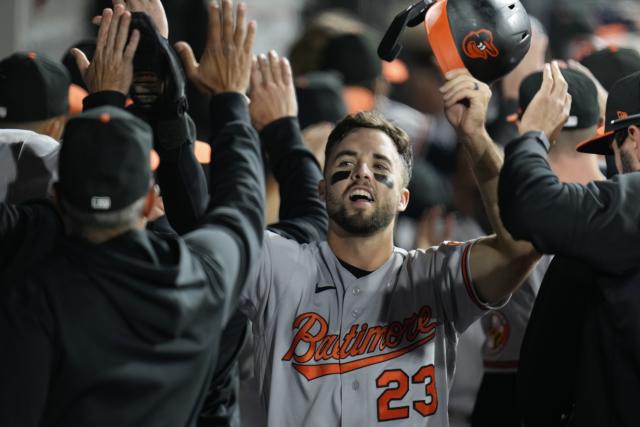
[572,122]
[3,112]
[101,203]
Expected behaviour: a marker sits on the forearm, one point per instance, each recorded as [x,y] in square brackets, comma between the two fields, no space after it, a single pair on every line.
[486,161]
[598,222]
[182,180]
[498,273]
[231,232]
[302,214]
[499,263]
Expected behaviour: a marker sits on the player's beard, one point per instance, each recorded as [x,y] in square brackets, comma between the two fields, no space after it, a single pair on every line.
[360,223]
[627,161]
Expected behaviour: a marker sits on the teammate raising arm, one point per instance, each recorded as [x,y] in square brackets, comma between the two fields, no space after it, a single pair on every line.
[499,263]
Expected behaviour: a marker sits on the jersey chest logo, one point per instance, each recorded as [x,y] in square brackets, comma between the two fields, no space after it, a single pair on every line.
[359,348]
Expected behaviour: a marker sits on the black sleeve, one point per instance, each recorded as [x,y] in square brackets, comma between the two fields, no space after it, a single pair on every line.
[598,223]
[231,233]
[102,98]
[181,178]
[303,216]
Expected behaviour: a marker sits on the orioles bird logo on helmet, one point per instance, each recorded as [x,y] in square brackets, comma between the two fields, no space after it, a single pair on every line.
[480,45]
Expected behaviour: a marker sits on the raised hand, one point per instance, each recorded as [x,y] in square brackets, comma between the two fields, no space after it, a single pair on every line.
[225,65]
[549,110]
[153,8]
[466,101]
[112,65]
[273,95]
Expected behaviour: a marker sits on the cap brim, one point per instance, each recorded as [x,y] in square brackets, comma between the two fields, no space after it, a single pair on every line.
[599,145]
[602,143]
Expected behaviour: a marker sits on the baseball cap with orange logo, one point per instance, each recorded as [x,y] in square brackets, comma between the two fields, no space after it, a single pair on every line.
[623,110]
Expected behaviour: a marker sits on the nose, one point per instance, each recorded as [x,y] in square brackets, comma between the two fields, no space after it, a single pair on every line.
[362,171]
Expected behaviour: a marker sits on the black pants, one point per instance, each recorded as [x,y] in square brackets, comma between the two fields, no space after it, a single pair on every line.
[496,404]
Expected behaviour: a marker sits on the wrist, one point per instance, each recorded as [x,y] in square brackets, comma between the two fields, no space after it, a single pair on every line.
[539,136]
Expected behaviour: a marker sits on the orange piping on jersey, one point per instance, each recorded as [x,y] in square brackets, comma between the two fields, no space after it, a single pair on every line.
[441,39]
[464,265]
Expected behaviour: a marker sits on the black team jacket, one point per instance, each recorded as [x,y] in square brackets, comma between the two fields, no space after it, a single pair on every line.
[126,333]
[580,359]
[303,218]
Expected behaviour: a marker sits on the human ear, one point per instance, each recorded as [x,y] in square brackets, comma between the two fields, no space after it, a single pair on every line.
[404,200]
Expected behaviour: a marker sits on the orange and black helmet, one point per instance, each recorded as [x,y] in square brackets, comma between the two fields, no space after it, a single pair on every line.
[487,37]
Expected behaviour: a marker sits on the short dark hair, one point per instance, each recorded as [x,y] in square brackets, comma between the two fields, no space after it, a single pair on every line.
[373,120]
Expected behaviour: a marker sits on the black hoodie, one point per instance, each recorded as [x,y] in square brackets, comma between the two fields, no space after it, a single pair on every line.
[126,333]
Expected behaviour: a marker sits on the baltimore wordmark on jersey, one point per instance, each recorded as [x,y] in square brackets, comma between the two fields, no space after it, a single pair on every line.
[333,349]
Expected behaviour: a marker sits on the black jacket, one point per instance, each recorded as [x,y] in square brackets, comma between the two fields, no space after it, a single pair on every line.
[127,332]
[580,359]
[303,218]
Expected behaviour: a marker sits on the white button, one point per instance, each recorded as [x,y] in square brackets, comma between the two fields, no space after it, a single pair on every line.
[355,313]
[356,385]
[356,291]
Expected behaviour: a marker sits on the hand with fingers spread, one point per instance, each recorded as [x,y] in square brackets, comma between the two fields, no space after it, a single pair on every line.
[153,8]
[112,64]
[549,110]
[225,65]
[466,101]
[273,95]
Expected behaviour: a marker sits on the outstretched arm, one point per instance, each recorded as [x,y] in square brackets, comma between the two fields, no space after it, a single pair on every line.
[597,223]
[274,113]
[231,233]
[498,263]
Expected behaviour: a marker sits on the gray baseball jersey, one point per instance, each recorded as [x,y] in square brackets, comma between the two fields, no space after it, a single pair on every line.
[332,349]
[504,328]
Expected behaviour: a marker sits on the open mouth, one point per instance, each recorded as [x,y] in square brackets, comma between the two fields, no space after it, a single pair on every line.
[360,195]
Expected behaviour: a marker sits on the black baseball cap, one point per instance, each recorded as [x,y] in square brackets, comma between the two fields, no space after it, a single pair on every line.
[32,88]
[611,64]
[104,160]
[354,56]
[585,110]
[623,110]
[319,96]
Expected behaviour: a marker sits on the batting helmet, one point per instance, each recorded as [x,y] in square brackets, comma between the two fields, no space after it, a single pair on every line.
[487,37]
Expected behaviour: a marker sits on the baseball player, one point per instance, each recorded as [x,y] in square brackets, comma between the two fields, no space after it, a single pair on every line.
[355,331]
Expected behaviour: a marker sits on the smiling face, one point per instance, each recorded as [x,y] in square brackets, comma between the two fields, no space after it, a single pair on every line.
[364,183]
